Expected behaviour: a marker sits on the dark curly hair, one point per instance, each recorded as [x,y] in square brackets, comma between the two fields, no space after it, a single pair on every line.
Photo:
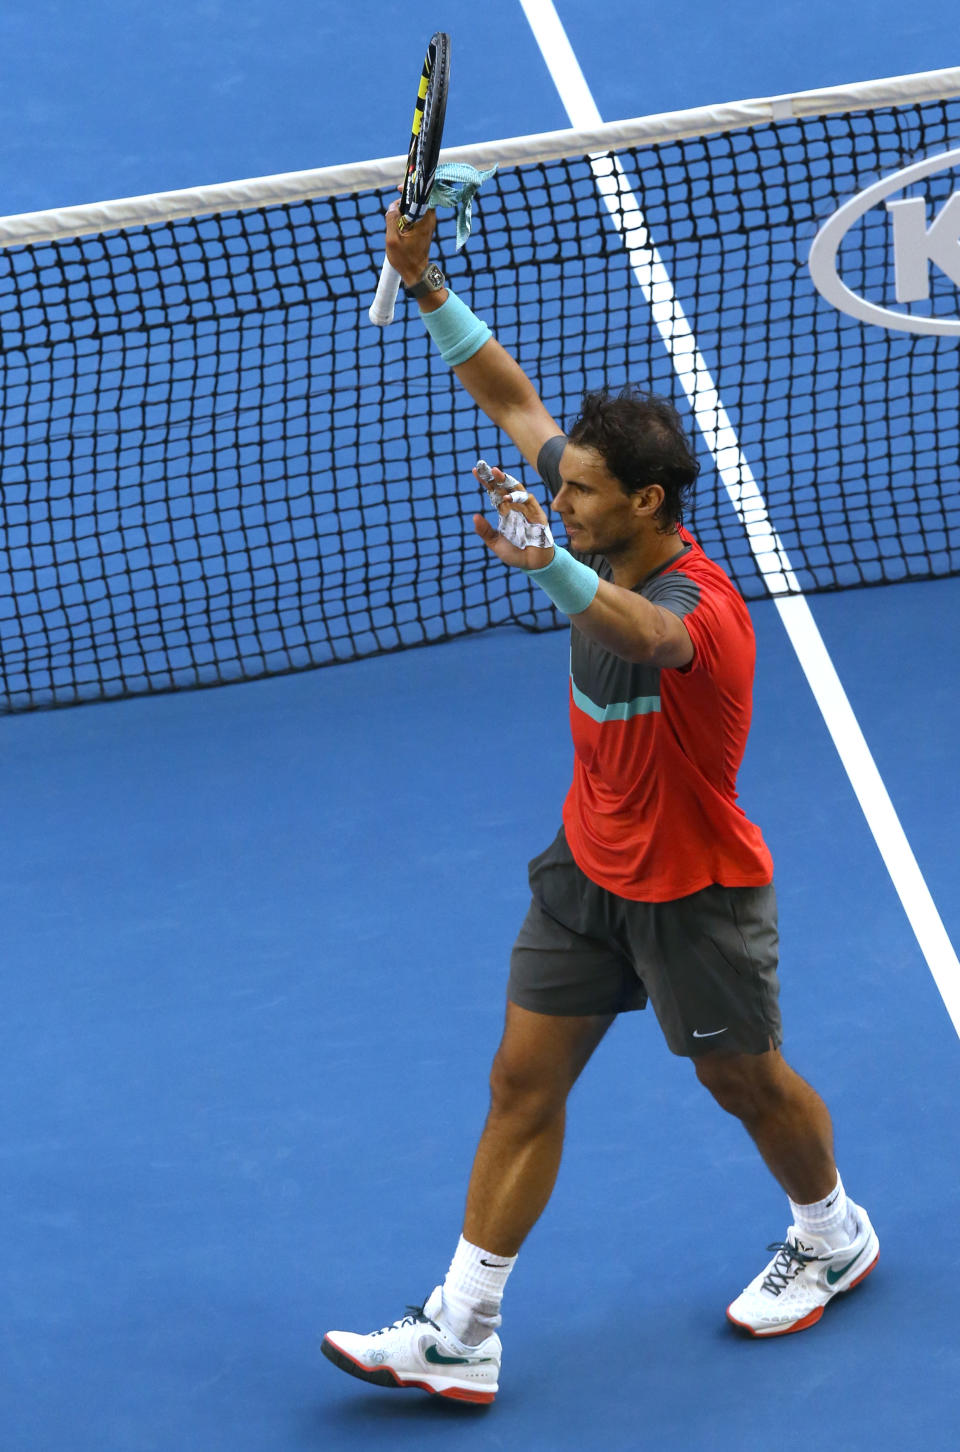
[642,440]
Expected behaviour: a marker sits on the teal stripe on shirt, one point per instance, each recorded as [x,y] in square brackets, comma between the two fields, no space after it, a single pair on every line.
[617,710]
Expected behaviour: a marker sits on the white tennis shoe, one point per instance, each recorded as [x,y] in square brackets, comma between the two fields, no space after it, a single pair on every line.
[416,1351]
[791,1293]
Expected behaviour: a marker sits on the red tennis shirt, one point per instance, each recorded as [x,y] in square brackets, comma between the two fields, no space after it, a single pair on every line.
[652,811]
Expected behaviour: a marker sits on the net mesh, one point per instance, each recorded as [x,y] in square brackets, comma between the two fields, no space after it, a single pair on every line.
[214,468]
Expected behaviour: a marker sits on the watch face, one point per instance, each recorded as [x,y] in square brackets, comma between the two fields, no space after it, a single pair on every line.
[431,280]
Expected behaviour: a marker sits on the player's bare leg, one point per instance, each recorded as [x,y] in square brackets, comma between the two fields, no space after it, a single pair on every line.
[449,1346]
[786,1119]
[515,1168]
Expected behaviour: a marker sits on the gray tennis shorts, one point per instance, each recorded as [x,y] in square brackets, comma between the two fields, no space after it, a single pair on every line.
[707,962]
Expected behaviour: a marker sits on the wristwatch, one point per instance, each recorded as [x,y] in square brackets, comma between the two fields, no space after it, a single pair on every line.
[431,280]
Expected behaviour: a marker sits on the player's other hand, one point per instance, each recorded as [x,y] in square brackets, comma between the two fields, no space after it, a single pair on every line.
[528,559]
[409,251]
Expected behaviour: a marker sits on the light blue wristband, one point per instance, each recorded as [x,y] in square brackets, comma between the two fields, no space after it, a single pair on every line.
[457,332]
[570,585]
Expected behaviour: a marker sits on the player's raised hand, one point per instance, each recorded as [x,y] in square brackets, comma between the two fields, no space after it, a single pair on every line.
[408,251]
[524,541]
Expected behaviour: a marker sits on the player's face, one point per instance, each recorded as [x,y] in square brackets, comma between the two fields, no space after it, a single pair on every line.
[600,517]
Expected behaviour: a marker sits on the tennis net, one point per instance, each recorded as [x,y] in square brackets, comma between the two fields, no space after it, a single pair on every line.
[214,468]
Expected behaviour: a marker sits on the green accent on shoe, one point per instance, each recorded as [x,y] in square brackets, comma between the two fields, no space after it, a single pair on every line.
[437,1358]
[836,1275]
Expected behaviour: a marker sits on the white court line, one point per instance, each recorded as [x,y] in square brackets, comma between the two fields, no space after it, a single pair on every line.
[748,501]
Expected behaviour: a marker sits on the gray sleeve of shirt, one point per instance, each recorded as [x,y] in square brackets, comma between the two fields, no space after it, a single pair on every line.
[548,461]
[675,592]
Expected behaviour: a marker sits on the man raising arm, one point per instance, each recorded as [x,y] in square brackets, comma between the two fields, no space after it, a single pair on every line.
[657,887]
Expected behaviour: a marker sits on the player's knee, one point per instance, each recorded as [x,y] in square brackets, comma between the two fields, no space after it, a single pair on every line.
[734,1084]
[521,1090]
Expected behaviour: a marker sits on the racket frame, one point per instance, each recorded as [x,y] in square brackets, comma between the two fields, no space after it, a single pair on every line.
[426,136]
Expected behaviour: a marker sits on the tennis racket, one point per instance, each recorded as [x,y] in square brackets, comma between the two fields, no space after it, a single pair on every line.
[421,163]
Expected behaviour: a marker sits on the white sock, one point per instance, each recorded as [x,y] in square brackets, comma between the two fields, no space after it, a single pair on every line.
[472,1292]
[832,1218]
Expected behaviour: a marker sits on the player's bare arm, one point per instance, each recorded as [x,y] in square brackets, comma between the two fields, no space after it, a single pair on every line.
[624,623]
[494,380]
[634,628]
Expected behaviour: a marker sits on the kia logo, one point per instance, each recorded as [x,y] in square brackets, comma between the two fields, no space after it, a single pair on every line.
[918,241]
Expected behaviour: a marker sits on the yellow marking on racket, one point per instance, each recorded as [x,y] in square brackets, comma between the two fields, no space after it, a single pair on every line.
[421,101]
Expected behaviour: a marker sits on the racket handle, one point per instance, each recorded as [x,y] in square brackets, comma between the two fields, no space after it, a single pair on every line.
[381,309]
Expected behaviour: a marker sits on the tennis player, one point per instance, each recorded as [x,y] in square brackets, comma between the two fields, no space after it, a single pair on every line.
[656,888]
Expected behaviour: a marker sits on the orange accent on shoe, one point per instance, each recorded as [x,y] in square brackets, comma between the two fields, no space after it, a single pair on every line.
[801,1325]
[454,1393]
[459,1394]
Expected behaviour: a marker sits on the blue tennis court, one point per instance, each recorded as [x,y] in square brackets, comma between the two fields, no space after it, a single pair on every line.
[256,937]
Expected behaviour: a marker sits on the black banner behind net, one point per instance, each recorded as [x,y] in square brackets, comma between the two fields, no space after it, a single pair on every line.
[214,468]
